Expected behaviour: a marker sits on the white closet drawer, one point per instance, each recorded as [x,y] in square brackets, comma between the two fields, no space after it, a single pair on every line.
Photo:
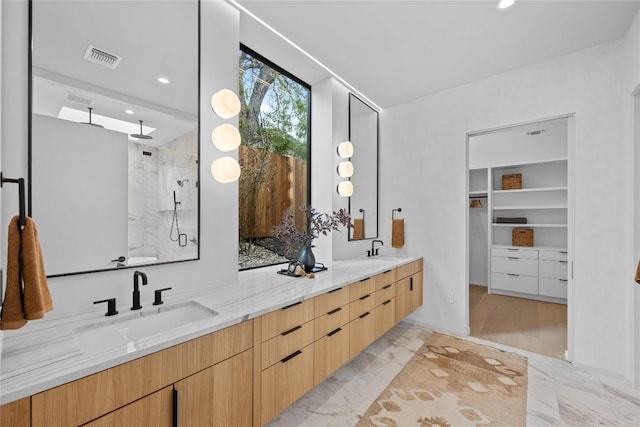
[514,265]
[553,269]
[553,255]
[514,283]
[553,287]
[515,252]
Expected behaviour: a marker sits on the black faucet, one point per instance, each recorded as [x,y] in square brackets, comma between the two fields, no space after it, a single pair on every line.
[136,290]
[374,250]
[111,306]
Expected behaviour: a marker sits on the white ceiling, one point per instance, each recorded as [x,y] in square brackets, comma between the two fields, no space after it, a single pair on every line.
[394,51]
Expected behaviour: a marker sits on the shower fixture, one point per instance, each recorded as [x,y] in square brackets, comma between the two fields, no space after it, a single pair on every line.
[182,182]
[141,135]
[91,123]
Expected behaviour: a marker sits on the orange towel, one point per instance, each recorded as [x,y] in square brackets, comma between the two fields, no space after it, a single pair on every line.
[397,233]
[358,229]
[27,296]
[638,274]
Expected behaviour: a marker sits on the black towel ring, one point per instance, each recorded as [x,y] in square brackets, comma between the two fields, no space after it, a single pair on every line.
[20,181]
[393,212]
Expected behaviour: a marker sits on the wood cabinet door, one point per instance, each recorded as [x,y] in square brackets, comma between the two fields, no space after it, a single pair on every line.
[155,410]
[415,288]
[403,303]
[331,352]
[218,396]
[362,332]
[16,414]
[385,317]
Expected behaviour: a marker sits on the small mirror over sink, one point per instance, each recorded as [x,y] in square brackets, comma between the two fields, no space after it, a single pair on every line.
[114,174]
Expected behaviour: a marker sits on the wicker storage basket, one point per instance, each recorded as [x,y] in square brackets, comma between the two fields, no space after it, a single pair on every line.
[522,237]
[512,181]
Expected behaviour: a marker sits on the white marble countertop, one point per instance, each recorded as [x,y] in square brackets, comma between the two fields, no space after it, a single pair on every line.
[48,355]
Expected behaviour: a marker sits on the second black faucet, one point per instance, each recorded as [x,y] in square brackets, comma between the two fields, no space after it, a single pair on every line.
[136,289]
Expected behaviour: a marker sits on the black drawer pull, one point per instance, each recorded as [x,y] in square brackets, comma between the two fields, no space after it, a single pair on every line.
[385,272]
[513,274]
[563,280]
[411,284]
[364,280]
[295,328]
[291,305]
[334,311]
[513,249]
[564,252]
[175,408]
[291,356]
[334,290]
[512,257]
[564,262]
[335,331]
[386,302]
[362,316]
[386,287]
[364,297]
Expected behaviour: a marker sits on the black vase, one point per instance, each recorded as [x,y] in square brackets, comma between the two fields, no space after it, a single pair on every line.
[307,259]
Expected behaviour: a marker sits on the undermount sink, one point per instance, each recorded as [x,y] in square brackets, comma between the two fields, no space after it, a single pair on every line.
[140,329]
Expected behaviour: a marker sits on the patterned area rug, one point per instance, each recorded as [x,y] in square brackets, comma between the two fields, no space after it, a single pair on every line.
[452,382]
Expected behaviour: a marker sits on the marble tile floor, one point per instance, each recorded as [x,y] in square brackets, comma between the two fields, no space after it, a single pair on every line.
[558,393]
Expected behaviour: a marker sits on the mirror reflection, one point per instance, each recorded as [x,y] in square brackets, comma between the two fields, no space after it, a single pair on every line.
[363,204]
[114,133]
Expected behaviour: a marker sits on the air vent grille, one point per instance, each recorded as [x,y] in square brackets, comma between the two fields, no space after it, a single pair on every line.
[102,57]
[73,97]
[536,132]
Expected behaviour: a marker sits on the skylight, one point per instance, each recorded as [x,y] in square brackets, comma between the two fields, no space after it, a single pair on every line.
[81,116]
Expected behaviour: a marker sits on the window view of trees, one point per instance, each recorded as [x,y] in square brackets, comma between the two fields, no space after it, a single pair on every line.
[275,128]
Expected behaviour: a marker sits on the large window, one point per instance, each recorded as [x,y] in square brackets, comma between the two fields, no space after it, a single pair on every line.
[274,156]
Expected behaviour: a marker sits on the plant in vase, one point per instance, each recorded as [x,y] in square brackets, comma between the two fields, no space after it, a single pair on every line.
[319,224]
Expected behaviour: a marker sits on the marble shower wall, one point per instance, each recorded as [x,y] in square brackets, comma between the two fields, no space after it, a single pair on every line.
[154,175]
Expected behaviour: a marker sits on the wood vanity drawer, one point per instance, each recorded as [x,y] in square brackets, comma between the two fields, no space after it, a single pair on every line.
[385,278]
[514,265]
[331,352]
[514,283]
[408,269]
[385,316]
[515,252]
[553,269]
[364,287]
[282,320]
[553,255]
[284,382]
[331,300]
[387,292]
[552,287]
[362,305]
[362,332]
[286,343]
[332,320]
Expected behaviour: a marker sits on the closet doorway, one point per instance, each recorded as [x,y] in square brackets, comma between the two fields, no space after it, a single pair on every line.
[520,235]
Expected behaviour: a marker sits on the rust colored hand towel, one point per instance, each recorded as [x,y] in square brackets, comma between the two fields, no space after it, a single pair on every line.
[397,233]
[358,229]
[27,296]
[638,274]
[37,299]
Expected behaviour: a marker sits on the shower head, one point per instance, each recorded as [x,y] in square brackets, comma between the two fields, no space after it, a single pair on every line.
[90,123]
[141,135]
[182,182]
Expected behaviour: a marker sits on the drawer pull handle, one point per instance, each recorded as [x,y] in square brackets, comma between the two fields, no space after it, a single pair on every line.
[386,302]
[411,284]
[364,297]
[362,316]
[513,249]
[563,280]
[291,356]
[334,290]
[564,252]
[513,274]
[513,257]
[334,311]
[295,328]
[291,305]
[365,279]
[387,287]
[564,262]
[175,408]
[385,272]
[335,331]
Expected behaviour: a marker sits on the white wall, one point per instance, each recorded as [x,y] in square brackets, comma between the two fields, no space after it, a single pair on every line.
[423,171]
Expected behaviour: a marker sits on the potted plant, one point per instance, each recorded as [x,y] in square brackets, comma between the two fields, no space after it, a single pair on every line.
[319,223]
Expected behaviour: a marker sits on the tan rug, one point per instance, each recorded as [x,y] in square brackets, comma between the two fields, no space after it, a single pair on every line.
[451,382]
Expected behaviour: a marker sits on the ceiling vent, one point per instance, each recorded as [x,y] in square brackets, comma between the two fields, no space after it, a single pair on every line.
[102,57]
[536,132]
[87,102]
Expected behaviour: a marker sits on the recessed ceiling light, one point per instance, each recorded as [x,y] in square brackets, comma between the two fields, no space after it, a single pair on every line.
[128,111]
[163,80]
[503,4]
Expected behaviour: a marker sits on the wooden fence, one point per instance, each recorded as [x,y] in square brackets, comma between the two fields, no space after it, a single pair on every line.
[285,187]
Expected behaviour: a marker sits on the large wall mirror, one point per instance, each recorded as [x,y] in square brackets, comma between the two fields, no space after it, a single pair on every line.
[363,204]
[114,115]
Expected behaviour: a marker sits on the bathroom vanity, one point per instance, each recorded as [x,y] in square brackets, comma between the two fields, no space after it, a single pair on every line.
[272,339]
